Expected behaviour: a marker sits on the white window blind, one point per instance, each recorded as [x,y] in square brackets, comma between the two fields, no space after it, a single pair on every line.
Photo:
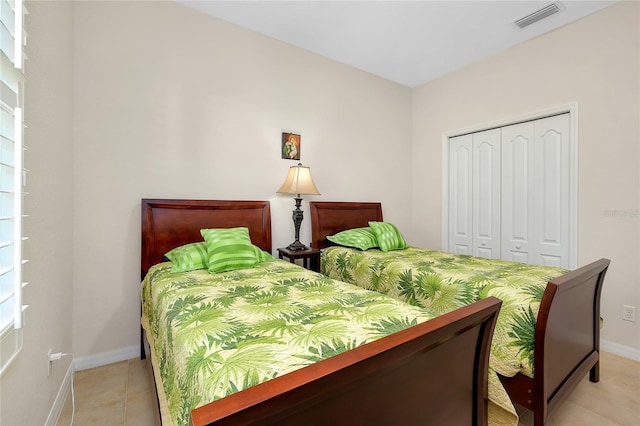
[12,174]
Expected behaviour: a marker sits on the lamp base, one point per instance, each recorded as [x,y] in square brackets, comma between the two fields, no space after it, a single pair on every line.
[297,220]
[297,246]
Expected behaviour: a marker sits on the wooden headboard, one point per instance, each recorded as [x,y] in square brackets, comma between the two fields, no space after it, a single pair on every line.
[330,217]
[167,224]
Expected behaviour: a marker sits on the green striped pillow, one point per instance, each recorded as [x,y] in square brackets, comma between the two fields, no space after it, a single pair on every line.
[188,257]
[229,249]
[262,255]
[362,238]
[388,236]
[193,256]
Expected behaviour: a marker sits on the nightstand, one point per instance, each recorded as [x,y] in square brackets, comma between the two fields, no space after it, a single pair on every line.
[310,257]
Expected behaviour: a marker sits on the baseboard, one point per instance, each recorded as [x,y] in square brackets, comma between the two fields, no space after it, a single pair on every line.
[105,358]
[620,350]
[61,398]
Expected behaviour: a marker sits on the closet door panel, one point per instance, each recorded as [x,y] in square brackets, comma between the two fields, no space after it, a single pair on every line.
[517,192]
[460,197]
[486,194]
[551,193]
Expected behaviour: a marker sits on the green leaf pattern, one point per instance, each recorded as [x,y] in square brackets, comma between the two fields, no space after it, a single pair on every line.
[216,334]
[442,282]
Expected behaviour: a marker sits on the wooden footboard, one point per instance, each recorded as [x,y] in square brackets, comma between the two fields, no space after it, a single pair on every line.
[432,373]
[567,341]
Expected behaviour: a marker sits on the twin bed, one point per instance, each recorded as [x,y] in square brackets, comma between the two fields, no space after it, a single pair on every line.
[554,311]
[275,343]
[281,344]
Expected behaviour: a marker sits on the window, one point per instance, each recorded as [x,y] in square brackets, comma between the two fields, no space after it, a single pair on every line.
[12,172]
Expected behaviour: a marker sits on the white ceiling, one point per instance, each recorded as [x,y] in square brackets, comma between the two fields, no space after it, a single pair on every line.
[409,42]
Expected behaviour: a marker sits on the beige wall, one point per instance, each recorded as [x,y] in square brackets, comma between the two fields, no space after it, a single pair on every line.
[148,99]
[593,62]
[27,394]
[173,103]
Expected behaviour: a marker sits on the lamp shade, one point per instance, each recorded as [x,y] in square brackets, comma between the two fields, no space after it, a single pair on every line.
[299,181]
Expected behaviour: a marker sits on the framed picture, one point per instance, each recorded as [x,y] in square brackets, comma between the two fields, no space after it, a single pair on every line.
[290,146]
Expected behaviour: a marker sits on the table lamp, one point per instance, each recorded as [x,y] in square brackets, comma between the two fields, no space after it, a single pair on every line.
[298,182]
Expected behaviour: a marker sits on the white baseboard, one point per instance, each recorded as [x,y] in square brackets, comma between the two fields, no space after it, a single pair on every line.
[61,398]
[620,350]
[106,358]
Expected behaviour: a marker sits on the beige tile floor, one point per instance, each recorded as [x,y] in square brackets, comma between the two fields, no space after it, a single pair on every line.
[614,400]
[120,394]
[115,394]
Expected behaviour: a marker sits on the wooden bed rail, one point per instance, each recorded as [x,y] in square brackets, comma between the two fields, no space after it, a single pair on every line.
[432,373]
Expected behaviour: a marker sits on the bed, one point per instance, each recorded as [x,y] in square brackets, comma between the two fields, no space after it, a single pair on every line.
[433,372]
[565,333]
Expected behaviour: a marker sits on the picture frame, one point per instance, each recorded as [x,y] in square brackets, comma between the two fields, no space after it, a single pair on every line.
[290,149]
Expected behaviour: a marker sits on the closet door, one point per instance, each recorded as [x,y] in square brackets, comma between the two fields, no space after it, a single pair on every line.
[486,194]
[535,191]
[510,193]
[460,196]
[551,197]
[517,192]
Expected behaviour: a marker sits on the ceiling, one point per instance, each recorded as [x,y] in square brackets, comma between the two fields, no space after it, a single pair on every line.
[408,42]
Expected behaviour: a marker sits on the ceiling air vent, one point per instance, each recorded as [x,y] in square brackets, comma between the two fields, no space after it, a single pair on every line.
[537,15]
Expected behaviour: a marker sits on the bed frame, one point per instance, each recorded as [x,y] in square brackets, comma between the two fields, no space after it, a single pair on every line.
[567,335]
[432,373]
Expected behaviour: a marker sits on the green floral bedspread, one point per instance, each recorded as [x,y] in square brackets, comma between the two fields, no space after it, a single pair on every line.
[443,281]
[216,334]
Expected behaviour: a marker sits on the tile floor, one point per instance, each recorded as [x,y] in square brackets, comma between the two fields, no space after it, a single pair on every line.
[113,395]
[614,400]
[120,394]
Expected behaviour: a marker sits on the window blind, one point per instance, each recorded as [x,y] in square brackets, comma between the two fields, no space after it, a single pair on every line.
[12,174]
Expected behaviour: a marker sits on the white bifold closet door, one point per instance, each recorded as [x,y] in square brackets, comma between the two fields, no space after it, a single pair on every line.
[509,192]
[474,194]
[460,194]
[535,191]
